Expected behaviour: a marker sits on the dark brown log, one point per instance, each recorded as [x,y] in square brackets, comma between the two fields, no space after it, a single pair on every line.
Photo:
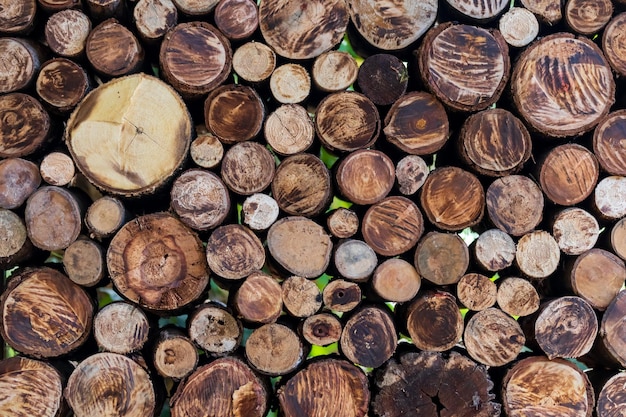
[612,46]
[588,17]
[575,230]
[22,59]
[480,11]
[609,197]
[411,173]
[301,297]
[259,211]
[84,263]
[383,78]
[15,246]
[451,73]
[547,11]
[53,6]
[494,142]
[19,178]
[259,299]
[57,168]
[441,258]
[321,329]
[53,218]
[302,30]
[342,223]
[582,96]
[611,401]
[44,314]
[214,329]
[434,321]
[476,292]
[113,50]
[105,216]
[237,19]
[67,32]
[334,71]
[300,245]
[517,297]
[392,226]
[195,58]
[494,250]
[254,62]
[618,238]
[154,18]
[25,125]
[200,199]
[341,295]
[355,260]
[289,130]
[128,387]
[369,337]
[518,26]
[234,252]
[17,18]
[195,7]
[206,150]
[493,338]
[158,263]
[234,113]
[302,185]
[290,83]
[607,145]
[539,386]
[515,204]
[612,334]
[365,176]
[103,9]
[392,26]
[62,84]
[121,327]
[274,349]
[346,121]
[328,384]
[174,355]
[537,254]
[430,384]
[129,135]
[597,276]
[396,280]
[31,388]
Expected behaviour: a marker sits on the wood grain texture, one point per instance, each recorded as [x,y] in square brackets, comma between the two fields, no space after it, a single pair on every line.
[214,329]
[21,59]
[301,297]
[17,17]
[613,43]
[342,296]
[537,254]
[612,332]
[609,143]
[588,17]
[494,250]
[515,204]
[441,258]
[234,113]
[154,18]
[609,197]
[354,260]
[67,32]
[611,401]
[259,299]
[334,71]
[396,280]
[233,252]
[274,349]
[575,230]
[369,337]
[26,125]
[62,84]
[19,178]
[434,321]
[289,129]
[248,168]
[519,26]
[482,10]
[365,176]
[174,355]
[493,338]
[476,291]
[597,276]
[126,58]
[549,12]
[517,297]
[321,329]
[237,19]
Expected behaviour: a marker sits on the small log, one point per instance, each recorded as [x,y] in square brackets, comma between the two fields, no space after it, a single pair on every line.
[575,230]
[611,397]
[537,254]
[254,62]
[346,121]
[52,6]
[494,142]
[612,334]
[411,173]
[365,176]
[383,78]
[195,57]
[67,32]
[341,296]
[158,263]
[392,226]
[453,198]
[494,250]
[434,321]
[233,252]
[355,260]
[369,337]
[18,18]
[334,71]
[154,18]
[476,292]
[15,247]
[596,276]
[342,223]
[441,258]
[343,388]
[396,280]
[31,388]
[289,130]
[481,11]
[392,26]
[234,113]
[259,211]
[26,125]
[27,54]
[607,145]
[518,26]
[430,384]
[302,185]
[206,150]
[121,327]
[321,329]
[200,199]
[618,238]
[125,58]
[517,297]
[300,245]
[57,168]
[302,31]
[214,329]
[588,17]
[537,385]
[301,297]
[609,197]
[44,314]
[274,349]
[195,7]
[578,101]
[612,47]
[62,84]
[19,178]
[515,204]
[174,355]
[128,387]
[259,299]
[548,12]
[290,84]
[103,9]
[105,216]
[84,263]
[237,19]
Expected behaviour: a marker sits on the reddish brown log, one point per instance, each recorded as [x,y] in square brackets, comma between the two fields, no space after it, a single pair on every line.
[476,292]
[480,11]
[234,113]
[434,321]
[247,168]
[365,176]
[612,334]
[334,71]
[607,143]
[289,130]
[67,32]
[290,84]
[214,329]
[575,230]
[259,299]
[517,297]
[19,178]
[274,349]
[174,355]
[515,204]
[618,238]
[341,295]
[383,78]
[321,329]
[15,247]
[396,280]
[237,19]
[121,328]
[588,17]
[25,125]
[301,297]
[84,263]
[369,337]
[234,252]
[548,11]
[127,55]
[62,84]
[494,250]
[441,258]
[537,254]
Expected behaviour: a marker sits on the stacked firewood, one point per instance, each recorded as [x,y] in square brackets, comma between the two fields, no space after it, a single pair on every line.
[312,208]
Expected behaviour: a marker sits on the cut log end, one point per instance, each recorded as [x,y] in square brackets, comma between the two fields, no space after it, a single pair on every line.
[274,349]
[233,252]
[321,329]
[121,328]
[441,258]
[301,297]
[259,299]
[396,280]
[214,329]
[517,297]
[537,254]
[175,356]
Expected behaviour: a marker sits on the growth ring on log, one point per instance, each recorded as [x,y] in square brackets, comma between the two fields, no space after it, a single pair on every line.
[609,142]
[129,135]
[25,125]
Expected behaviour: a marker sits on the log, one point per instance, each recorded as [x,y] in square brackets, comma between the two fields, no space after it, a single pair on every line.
[154,18]
[254,62]
[476,292]
[609,197]
[26,125]
[57,168]
[194,8]
[537,254]
[289,130]
[517,297]
[321,329]
[237,19]
[611,45]
[610,399]
[19,178]
[441,258]
[341,296]
[233,252]
[274,349]
[369,337]
[174,355]
[62,84]
[301,297]
[396,280]
[365,176]
[342,223]
[588,17]
[158,263]
[575,230]
[611,336]
[234,113]
[105,217]
[126,58]
[103,9]
[44,314]
[15,246]
[515,204]
[334,71]
[434,321]
[259,299]
[214,329]
[18,18]
[84,262]
[206,150]
[618,238]
[67,32]
[259,211]
[52,6]
[548,12]
[411,173]
[481,11]
[383,78]
[290,84]
[607,143]
[518,26]
[27,55]
[494,250]
[121,327]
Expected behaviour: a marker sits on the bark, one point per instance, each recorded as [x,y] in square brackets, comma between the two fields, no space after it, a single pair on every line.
[233,252]
[62,84]
[537,254]
[259,299]
[84,263]
[517,297]
[383,78]
[476,291]
[214,329]
[254,62]
[15,246]
[17,18]
[441,258]
[128,55]
[396,280]
[259,211]
[301,297]
[609,198]
[206,150]
[618,239]
[606,143]
[154,18]
[237,19]
[173,354]
[274,349]
[29,56]
[234,113]
[518,26]
[494,250]
[612,47]
[354,260]
[57,168]
[19,178]
[612,334]
[365,176]
[322,329]
[26,124]
[575,230]
[342,223]
[547,11]
[66,33]
[411,173]
[334,71]
[105,216]
[290,84]
[341,296]
[289,130]
[611,401]
[121,327]
[588,17]
[515,204]
[369,337]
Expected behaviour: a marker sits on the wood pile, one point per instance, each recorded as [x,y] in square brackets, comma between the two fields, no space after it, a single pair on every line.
[312,207]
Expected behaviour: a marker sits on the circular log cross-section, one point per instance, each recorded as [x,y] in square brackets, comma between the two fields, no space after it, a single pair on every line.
[476,291]
[226,386]
[125,58]
[618,238]
[154,18]
[274,349]
[562,85]
[214,329]
[342,223]
[341,295]
[25,125]
[174,355]
[575,230]
[613,45]
[609,145]
[611,398]
[609,197]
[588,17]
[441,258]
[396,280]
[17,18]
[451,71]
[411,173]
[62,84]
[105,216]
[84,262]
[612,333]
[301,297]
[517,297]
[248,168]
[365,176]
[519,27]
[302,30]
[158,263]
[369,337]
[548,12]
[57,168]
[290,84]
[383,78]
[537,254]
[334,71]
[453,198]
[66,33]
[254,62]
[19,178]
[321,329]
[237,19]
[259,211]
[259,299]
[121,327]
[44,314]
[14,244]
[515,204]
[494,250]
[597,276]
[129,135]
[233,252]
[28,58]
[206,150]
[289,130]
[234,113]
[481,11]
[355,260]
